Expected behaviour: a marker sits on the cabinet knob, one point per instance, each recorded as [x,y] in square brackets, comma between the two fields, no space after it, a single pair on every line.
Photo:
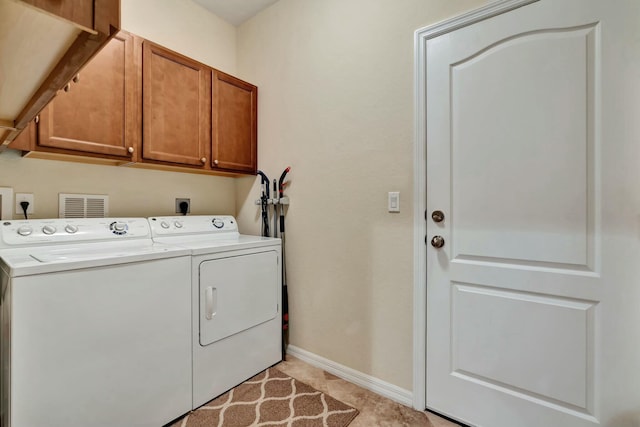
[130,149]
[67,87]
[76,78]
[203,160]
[215,162]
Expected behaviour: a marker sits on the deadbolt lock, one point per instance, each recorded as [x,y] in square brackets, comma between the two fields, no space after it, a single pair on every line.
[437,216]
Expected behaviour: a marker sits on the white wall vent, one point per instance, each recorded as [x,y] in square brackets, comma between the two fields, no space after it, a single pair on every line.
[83,206]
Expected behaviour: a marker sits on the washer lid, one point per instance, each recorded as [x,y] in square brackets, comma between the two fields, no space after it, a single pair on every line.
[38,260]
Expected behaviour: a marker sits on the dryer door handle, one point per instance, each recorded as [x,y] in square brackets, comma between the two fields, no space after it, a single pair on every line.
[210,302]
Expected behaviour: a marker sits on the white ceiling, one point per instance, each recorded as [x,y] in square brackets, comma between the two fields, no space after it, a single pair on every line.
[235,11]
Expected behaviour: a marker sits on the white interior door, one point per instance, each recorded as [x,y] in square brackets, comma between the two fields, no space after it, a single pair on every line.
[533,136]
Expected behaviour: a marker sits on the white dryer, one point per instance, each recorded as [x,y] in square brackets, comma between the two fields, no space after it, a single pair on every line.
[236,294]
[95,322]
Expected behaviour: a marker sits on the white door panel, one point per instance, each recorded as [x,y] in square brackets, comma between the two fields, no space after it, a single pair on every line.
[554,336]
[532,154]
[539,125]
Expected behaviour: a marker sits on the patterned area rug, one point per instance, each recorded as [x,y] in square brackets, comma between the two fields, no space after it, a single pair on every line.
[271,399]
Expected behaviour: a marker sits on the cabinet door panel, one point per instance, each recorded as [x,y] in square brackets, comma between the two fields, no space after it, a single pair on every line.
[235,104]
[26,140]
[98,114]
[176,105]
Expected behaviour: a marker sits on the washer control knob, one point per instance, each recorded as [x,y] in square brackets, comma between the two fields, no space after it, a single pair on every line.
[70,228]
[118,228]
[25,230]
[164,224]
[48,229]
[178,224]
[218,223]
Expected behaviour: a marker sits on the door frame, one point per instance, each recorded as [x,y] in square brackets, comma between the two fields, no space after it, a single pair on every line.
[422,35]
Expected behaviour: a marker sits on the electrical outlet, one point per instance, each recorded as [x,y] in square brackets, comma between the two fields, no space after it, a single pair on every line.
[24,197]
[187,201]
[6,202]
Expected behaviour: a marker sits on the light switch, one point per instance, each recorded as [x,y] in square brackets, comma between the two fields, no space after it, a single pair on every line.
[394,201]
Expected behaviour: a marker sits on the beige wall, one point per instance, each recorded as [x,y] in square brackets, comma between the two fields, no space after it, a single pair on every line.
[336,103]
[132,192]
[180,25]
[183,26]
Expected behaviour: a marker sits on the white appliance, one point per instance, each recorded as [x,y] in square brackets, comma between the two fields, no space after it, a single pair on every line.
[236,294]
[96,324]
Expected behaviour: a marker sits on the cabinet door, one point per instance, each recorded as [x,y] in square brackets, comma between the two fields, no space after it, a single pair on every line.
[99,111]
[177,104]
[26,140]
[235,121]
[44,43]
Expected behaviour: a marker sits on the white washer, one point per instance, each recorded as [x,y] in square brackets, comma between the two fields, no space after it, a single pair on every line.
[236,293]
[96,324]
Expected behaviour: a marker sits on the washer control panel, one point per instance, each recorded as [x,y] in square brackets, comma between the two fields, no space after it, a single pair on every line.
[43,231]
[192,224]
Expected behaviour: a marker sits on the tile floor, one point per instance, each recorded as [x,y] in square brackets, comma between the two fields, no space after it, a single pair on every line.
[375,410]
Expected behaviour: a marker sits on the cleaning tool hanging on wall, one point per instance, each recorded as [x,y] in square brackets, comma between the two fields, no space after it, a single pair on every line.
[285,295]
[278,201]
[275,208]
[264,201]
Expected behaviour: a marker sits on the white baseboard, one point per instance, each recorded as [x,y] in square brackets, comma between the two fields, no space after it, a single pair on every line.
[368,382]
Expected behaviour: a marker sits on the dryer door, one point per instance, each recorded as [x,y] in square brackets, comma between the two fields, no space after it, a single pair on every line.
[237,293]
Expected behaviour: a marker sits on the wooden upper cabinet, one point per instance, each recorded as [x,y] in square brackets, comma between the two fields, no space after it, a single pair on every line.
[99,111]
[101,16]
[78,12]
[234,127]
[44,43]
[26,140]
[177,108]
[138,102]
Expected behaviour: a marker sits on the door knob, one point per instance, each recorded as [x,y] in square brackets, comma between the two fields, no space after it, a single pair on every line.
[437,242]
[437,216]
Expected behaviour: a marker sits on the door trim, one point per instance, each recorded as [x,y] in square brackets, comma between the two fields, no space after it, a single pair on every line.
[422,35]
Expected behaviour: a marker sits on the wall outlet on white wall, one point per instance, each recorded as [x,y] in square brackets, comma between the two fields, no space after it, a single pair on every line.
[24,197]
[6,202]
[178,205]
